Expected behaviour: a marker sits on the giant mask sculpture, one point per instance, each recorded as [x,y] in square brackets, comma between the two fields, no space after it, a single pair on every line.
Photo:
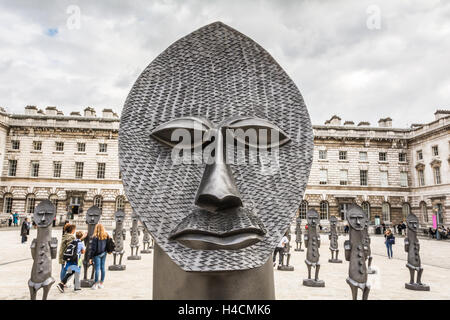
[209,214]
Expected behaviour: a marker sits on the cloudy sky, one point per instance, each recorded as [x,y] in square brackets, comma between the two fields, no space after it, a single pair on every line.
[361,60]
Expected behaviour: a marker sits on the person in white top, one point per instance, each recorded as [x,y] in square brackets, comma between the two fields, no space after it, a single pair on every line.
[279,249]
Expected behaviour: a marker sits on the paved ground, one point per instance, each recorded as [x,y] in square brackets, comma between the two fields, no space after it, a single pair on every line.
[136,281]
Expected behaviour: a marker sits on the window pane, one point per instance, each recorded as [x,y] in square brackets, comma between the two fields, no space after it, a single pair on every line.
[437,175]
[101,170]
[343,177]
[79,167]
[12,168]
[382,156]
[363,177]
[81,147]
[322,154]
[323,176]
[57,169]
[34,169]
[15,144]
[37,145]
[342,155]
[324,210]
[363,155]
[303,209]
[102,147]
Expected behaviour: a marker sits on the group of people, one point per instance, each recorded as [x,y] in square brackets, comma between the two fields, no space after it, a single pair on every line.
[400,227]
[444,233]
[13,219]
[72,241]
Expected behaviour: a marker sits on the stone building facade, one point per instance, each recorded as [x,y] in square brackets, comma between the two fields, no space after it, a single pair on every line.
[73,161]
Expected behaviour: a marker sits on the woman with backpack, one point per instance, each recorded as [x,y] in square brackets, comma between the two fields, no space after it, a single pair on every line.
[389,241]
[72,256]
[67,238]
[98,251]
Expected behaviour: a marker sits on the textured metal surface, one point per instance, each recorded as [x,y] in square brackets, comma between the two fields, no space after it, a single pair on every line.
[216,73]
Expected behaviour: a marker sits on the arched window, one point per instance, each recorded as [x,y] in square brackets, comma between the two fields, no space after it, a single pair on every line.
[120,203]
[303,209]
[386,211]
[423,211]
[366,208]
[54,199]
[98,201]
[406,209]
[323,210]
[7,203]
[30,203]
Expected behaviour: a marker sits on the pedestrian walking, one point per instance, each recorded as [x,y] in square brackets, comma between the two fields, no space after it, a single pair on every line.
[67,238]
[25,230]
[279,250]
[10,220]
[98,255]
[389,241]
[16,219]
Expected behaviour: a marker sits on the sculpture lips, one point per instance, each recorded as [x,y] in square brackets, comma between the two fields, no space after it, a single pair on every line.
[233,229]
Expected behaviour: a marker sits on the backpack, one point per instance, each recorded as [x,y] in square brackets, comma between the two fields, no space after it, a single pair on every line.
[71,252]
[110,245]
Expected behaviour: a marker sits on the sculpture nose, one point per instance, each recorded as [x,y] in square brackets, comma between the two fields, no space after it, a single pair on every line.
[218,190]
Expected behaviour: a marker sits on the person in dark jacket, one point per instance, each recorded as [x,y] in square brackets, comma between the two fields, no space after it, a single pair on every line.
[25,230]
[98,254]
[388,241]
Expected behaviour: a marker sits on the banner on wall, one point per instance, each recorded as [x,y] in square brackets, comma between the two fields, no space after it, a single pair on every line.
[434,222]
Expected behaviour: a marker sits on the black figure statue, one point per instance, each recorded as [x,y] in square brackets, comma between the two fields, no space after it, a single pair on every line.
[92,218]
[412,246]
[366,243]
[312,244]
[146,241]
[333,236]
[298,234]
[286,254]
[216,202]
[134,241]
[43,250]
[356,252]
[119,237]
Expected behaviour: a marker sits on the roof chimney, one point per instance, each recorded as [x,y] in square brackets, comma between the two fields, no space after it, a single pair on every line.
[107,113]
[89,112]
[386,122]
[335,121]
[363,124]
[31,110]
[51,111]
[75,113]
[439,114]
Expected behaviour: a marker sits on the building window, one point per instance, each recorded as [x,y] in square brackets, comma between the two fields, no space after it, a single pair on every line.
[363,177]
[406,209]
[342,155]
[30,203]
[437,175]
[421,177]
[323,176]
[57,165]
[98,201]
[382,156]
[37,145]
[7,203]
[59,146]
[386,211]
[423,210]
[362,156]
[12,169]
[79,166]
[402,157]
[384,178]
[403,179]
[102,147]
[303,209]
[419,155]
[54,199]
[15,144]
[322,154]
[435,151]
[34,169]
[366,208]
[101,170]
[324,210]
[343,177]
[120,203]
[81,147]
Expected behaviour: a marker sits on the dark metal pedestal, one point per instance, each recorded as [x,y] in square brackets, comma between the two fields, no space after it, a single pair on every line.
[171,282]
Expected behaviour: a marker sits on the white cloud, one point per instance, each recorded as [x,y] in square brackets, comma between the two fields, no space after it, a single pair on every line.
[340,66]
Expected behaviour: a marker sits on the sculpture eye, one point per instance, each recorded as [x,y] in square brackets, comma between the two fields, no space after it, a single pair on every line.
[255,132]
[184,132]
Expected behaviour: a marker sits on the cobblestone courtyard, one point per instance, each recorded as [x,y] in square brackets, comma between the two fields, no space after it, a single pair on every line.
[136,281]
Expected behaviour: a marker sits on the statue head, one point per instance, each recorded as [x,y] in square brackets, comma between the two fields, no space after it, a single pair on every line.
[119,216]
[312,218]
[333,222]
[44,213]
[356,217]
[93,215]
[204,188]
[413,222]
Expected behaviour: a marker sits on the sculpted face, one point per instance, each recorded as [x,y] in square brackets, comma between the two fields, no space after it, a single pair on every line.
[413,222]
[119,216]
[356,217]
[312,217]
[333,221]
[93,215]
[44,213]
[215,148]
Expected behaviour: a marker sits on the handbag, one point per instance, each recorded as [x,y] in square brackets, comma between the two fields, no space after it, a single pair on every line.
[392,240]
[110,245]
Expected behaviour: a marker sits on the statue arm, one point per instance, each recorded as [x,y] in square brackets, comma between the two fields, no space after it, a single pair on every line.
[53,247]
[348,248]
[329,236]
[306,239]
[33,248]
[318,241]
[406,244]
